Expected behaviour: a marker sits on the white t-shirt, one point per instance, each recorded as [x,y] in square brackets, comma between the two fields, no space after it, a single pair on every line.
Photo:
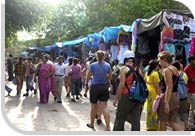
[59,69]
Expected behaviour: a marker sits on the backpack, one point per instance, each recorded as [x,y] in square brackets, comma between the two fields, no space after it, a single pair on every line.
[138,90]
[181,87]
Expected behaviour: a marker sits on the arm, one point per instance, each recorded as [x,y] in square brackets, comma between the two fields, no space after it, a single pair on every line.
[121,85]
[110,78]
[169,87]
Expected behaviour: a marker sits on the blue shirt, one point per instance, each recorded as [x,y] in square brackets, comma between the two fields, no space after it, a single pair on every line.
[99,71]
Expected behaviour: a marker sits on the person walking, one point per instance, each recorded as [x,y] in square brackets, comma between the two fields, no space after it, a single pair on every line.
[59,68]
[152,81]
[10,67]
[44,72]
[20,70]
[190,71]
[102,76]
[75,73]
[115,74]
[126,107]
[67,82]
[183,103]
[30,70]
[168,107]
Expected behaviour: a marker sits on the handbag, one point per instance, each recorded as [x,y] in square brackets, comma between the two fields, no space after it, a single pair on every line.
[156,103]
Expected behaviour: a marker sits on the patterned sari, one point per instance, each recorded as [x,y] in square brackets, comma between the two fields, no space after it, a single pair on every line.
[44,82]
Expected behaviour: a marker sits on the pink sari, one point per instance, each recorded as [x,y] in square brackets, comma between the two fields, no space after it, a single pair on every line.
[44,82]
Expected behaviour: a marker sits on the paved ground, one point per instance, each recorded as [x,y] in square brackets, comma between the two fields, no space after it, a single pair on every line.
[26,113]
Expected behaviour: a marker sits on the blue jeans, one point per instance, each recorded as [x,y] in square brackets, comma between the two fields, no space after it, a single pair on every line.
[28,81]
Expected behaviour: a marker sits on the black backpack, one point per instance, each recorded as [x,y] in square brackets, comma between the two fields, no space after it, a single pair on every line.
[138,90]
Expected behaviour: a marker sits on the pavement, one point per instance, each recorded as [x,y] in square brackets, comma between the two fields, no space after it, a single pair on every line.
[27,114]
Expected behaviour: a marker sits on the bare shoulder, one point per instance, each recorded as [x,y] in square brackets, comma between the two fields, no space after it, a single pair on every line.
[124,69]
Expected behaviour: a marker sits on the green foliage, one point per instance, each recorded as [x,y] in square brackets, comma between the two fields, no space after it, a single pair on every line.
[74,18]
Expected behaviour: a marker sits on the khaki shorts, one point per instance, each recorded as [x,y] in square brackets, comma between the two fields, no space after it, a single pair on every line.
[173,106]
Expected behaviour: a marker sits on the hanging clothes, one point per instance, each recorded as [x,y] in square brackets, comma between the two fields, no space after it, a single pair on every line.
[180,51]
[167,35]
[169,47]
[114,50]
[192,47]
[187,47]
[142,44]
[122,50]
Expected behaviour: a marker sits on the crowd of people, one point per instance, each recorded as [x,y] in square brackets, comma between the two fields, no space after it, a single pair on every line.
[100,77]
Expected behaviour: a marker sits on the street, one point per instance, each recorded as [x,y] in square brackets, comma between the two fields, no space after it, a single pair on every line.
[27,114]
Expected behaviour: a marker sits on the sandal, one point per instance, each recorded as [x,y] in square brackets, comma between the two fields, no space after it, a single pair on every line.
[90,126]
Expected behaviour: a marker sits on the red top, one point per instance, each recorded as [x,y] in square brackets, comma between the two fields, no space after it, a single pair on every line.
[128,81]
[190,71]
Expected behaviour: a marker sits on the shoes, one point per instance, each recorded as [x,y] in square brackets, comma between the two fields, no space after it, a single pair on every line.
[99,121]
[90,126]
[77,97]
[73,100]
[26,94]
[59,101]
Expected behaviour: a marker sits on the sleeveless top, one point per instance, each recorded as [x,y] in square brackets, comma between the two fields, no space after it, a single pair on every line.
[128,82]
[174,81]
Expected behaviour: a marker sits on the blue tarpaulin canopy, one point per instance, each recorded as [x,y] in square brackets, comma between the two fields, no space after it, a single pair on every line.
[73,42]
[111,33]
[51,47]
[92,40]
[35,48]
[24,53]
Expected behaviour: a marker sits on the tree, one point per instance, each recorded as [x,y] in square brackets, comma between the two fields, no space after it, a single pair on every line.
[74,18]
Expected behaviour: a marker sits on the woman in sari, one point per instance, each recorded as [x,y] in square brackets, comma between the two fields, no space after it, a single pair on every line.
[44,72]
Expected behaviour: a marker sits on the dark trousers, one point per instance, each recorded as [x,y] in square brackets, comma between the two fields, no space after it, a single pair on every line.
[10,73]
[115,83]
[75,86]
[127,110]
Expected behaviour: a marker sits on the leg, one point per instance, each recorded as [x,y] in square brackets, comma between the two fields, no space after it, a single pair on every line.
[73,89]
[175,126]
[123,109]
[93,113]
[192,109]
[99,113]
[135,116]
[60,84]
[163,126]
[56,87]
[104,109]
